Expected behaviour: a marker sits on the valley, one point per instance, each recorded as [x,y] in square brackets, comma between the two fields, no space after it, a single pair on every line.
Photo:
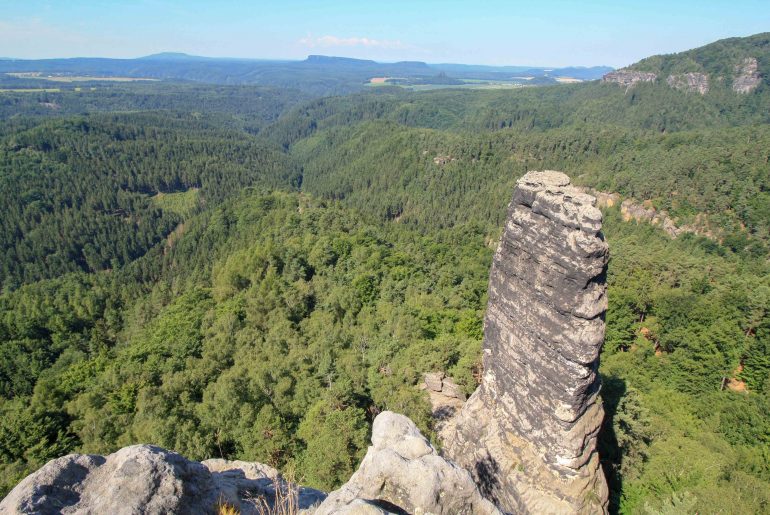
[247,270]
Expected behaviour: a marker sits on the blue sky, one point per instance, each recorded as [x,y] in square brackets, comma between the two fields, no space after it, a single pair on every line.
[538,33]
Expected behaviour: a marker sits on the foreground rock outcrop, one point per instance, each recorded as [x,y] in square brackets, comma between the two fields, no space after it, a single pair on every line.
[528,434]
[401,473]
[147,479]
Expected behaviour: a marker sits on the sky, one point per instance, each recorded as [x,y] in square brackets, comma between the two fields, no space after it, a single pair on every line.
[495,32]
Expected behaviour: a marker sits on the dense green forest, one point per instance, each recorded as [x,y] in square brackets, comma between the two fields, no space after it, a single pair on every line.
[257,283]
[247,108]
[93,193]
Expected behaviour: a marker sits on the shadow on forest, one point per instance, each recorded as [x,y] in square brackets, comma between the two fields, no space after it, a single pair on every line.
[610,454]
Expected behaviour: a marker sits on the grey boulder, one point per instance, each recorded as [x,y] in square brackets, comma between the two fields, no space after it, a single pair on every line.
[402,472]
[144,479]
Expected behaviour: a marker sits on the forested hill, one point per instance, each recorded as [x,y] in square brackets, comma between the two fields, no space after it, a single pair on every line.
[722,61]
[202,275]
[701,157]
[640,104]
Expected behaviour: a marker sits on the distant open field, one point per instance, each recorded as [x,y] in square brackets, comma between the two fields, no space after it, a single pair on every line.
[73,78]
[467,84]
[471,85]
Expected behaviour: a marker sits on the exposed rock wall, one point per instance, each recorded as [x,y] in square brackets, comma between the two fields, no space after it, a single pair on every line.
[528,434]
[629,78]
[747,76]
[644,212]
[692,82]
[746,79]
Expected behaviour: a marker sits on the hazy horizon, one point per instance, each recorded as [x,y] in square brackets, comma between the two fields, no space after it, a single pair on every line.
[300,59]
[555,33]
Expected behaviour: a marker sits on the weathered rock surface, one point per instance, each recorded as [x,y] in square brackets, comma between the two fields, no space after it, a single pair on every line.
[446,399]
[604,199]
[629,78]
[747,76]
[402,472]
[148,480]
[434,381]
[528,434]
[692,82]
[645,212]
[437,382]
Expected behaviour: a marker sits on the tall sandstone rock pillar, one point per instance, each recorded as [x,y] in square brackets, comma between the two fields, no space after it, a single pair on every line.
[528,434]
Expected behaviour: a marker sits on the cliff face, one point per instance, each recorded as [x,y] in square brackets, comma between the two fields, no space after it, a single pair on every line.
[528,434]
[747,76]
[692,82]
[629,78]
[744,77]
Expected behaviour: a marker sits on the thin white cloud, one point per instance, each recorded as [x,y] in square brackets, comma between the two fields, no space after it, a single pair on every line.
[334,41]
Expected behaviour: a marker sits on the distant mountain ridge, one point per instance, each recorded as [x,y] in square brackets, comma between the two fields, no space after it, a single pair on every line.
[317,74]
[174,56]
